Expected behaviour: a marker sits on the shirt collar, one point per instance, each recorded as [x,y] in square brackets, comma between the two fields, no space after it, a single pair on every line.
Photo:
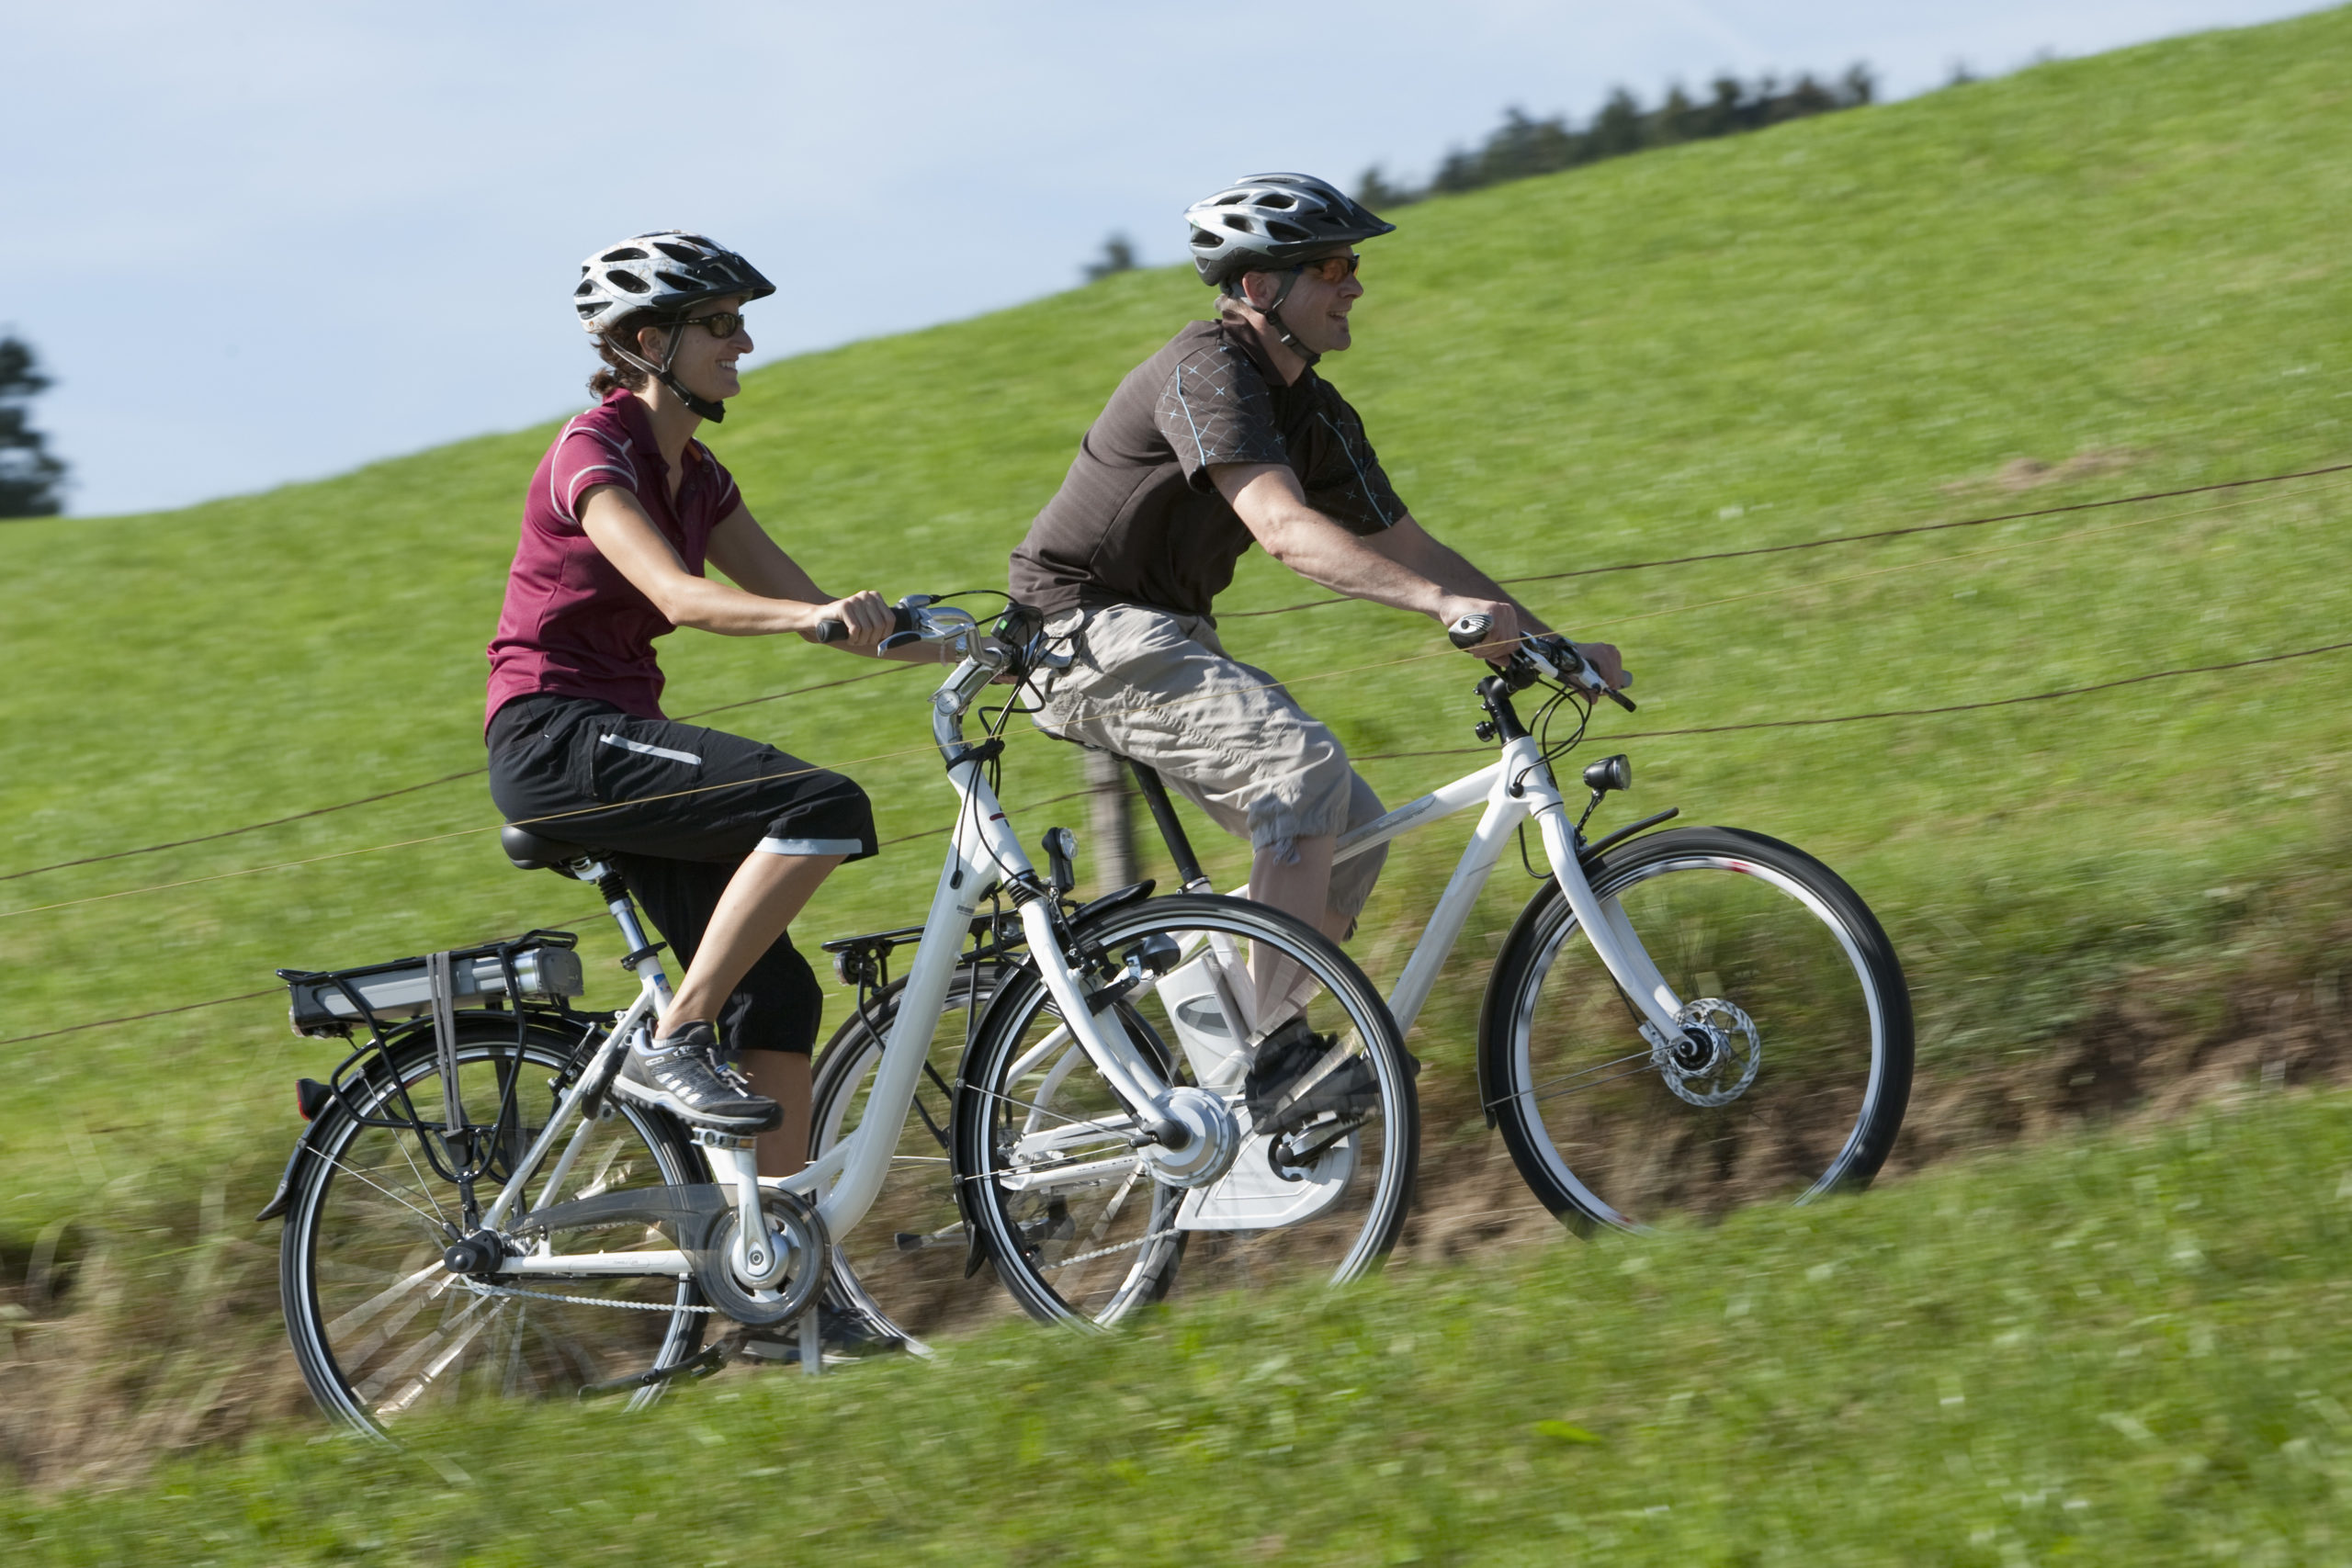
[637,425]
[1243,335]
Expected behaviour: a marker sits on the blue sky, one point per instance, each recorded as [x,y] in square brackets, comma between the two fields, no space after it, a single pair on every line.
[261,242]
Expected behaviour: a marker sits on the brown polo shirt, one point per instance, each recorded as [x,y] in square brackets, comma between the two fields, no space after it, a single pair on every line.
[1137,520]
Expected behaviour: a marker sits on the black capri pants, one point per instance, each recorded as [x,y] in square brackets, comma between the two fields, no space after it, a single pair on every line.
[678,807]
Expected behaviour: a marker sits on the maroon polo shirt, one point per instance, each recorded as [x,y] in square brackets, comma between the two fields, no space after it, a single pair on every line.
[572,623]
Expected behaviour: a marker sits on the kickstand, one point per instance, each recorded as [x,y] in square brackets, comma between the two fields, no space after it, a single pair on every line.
[812,1348]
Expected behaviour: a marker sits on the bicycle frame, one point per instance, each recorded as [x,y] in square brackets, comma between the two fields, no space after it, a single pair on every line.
[1515,787]
[983,854]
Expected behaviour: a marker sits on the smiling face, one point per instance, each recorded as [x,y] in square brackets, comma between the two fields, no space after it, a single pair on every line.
[1315,309]
[705,363]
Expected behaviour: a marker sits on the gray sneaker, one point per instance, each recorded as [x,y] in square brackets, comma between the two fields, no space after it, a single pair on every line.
[680,1072]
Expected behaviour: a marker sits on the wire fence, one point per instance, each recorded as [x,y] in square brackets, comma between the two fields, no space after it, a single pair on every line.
[2063,691]
[1879,715]
[1872,536]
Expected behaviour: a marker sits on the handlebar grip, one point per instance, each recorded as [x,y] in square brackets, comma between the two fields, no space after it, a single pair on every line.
[1470,630]
[902,625]
[1620,698]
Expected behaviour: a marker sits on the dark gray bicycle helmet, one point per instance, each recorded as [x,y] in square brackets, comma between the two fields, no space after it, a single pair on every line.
[666,273]
[1266,223]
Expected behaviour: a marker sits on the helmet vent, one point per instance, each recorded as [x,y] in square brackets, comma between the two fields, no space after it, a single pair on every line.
[626,253]
[677,253]
[1280,203]
[630,282]
[1279,229]
[677,281]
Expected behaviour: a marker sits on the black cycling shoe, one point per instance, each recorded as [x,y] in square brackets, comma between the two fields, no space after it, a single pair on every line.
[840,1337]
[681,1074]
[1292,1082]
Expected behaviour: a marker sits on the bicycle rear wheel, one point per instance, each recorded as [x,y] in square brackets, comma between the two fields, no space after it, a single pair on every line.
[1080,1228]
[382,1330]
[1801,1088]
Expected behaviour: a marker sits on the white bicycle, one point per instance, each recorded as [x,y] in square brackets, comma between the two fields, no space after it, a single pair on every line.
[470,1209]
[1679,1019]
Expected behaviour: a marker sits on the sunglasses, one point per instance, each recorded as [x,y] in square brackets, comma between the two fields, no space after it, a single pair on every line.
[1332,269]
[720,324]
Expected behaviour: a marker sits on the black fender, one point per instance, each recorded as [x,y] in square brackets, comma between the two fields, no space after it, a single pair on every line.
[398,1042]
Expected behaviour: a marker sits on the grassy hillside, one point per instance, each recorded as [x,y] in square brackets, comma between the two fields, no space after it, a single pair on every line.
[2127,1350]
[2093,278]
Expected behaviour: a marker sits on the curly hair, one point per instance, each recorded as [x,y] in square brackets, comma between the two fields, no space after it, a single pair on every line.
[616,371]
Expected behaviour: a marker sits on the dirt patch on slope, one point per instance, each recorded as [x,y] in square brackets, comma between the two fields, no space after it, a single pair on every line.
[127,1348]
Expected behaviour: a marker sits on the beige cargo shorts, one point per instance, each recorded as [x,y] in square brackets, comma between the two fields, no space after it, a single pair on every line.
[1159,689]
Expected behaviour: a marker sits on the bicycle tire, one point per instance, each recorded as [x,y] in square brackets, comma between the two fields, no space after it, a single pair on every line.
[1589,1111]
[1091,1249]
[908,1265]
[382,1330]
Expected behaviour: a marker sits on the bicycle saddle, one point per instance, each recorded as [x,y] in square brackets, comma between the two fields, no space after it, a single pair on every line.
[531,852]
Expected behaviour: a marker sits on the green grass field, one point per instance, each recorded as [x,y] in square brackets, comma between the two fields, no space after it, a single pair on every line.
[2127,1350]
[2094,279]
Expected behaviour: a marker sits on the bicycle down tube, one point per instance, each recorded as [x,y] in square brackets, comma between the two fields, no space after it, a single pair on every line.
[1514,788]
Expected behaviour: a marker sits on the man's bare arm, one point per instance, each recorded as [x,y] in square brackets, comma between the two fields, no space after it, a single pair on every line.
[1267,498]
[1409,545]
[1407,542]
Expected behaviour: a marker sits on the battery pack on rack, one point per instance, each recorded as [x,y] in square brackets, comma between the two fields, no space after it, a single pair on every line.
[328,1002]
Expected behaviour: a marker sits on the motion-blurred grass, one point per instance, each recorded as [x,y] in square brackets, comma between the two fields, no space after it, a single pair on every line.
[2126,1350]
[2094,279]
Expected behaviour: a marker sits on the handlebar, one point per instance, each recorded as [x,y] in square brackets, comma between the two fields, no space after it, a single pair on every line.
[1554,655]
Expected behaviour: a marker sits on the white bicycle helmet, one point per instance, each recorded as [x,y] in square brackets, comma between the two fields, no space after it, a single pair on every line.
[666,273]
[1266,223]
[1269,222]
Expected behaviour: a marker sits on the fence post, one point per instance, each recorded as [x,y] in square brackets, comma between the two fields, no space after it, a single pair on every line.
[1113,835]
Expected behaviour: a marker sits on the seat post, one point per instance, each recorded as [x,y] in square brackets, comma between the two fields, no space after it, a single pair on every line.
[641,959]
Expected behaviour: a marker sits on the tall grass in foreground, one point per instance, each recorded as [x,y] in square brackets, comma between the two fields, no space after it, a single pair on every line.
[2131,1349]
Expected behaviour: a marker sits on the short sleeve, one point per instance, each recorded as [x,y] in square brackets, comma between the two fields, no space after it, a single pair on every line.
[1214,408]
[586,456]
[1343,478]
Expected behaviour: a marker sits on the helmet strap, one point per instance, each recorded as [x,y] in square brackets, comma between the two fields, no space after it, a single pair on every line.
[702,407]
[1274,314]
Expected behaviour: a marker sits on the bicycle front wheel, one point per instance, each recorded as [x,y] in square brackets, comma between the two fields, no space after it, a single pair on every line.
[382,1329]
[1795,1084]
[1080,1227]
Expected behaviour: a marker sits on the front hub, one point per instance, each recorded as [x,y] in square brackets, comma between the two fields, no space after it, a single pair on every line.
[1716,1058]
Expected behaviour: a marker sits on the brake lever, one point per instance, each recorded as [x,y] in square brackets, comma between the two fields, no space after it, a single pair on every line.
[1471,630]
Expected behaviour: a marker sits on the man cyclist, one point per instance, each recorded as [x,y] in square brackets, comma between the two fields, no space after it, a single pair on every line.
[1225,438]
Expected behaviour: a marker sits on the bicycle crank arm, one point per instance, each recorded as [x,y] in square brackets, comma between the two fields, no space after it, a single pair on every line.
[700,1365]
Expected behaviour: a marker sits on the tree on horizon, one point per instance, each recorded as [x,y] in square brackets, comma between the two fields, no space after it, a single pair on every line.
[32,479]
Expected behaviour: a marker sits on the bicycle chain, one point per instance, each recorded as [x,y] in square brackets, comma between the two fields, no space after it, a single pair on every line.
[1106,1251]
[478,1288]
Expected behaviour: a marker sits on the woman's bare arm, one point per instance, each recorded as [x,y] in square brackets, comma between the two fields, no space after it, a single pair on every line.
[775,597]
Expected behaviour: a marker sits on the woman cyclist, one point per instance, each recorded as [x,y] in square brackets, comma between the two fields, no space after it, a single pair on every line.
[722,840]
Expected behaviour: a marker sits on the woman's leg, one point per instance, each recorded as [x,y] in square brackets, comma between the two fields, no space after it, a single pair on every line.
[762,899]
[764,894]
[783,1077]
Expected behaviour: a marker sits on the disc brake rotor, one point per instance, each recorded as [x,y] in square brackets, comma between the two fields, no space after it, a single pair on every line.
[1715,1060]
